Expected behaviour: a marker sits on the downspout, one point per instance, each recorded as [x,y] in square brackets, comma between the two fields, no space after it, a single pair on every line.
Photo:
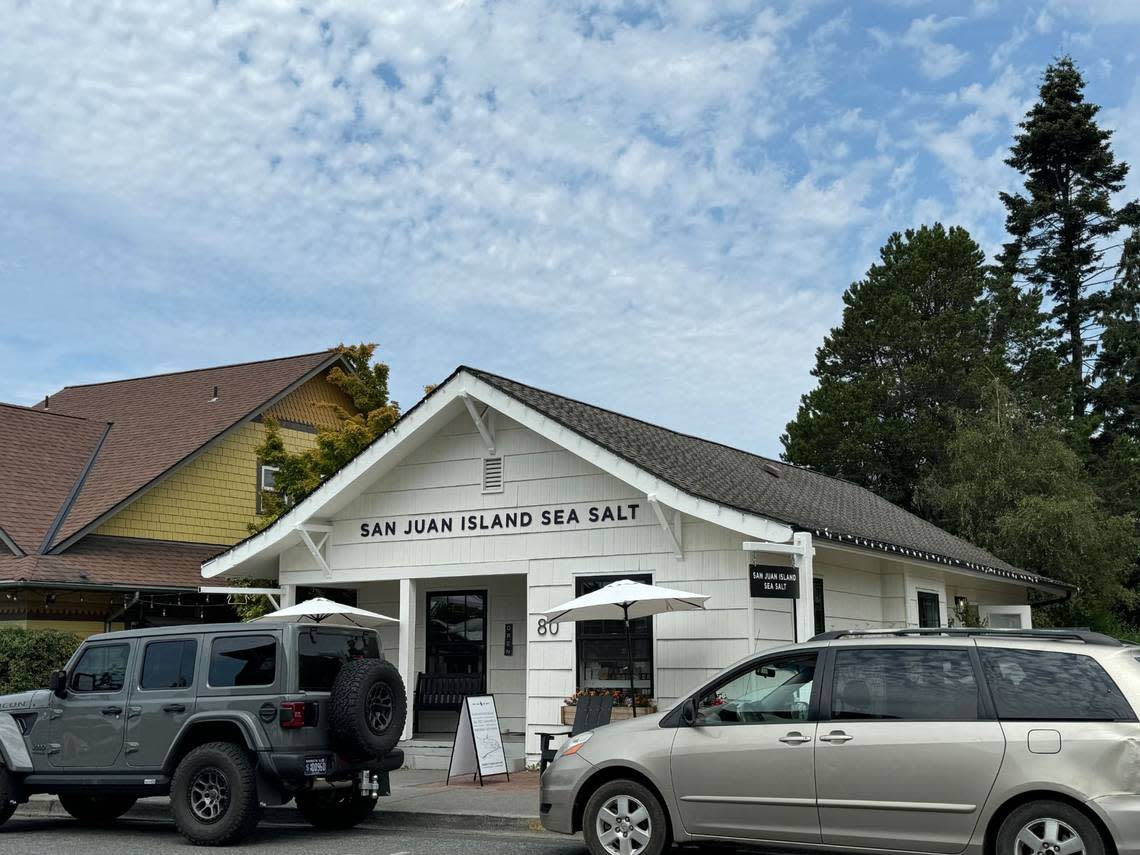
[1063,598]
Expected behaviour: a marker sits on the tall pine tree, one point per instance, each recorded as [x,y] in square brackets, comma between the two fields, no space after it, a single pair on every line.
[1116,400]
[916,344]
[1060,226]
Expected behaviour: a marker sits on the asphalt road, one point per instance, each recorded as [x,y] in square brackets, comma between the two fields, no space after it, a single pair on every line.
[60,836]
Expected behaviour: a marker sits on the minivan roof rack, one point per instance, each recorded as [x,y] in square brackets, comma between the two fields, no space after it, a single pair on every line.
[1084,635]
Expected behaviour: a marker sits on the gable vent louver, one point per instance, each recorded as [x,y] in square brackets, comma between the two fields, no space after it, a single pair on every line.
[492,474]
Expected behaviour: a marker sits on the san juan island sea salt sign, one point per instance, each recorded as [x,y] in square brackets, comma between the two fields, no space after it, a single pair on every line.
[529,519]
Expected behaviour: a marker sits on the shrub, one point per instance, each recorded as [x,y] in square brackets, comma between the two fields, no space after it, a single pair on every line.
[28,656]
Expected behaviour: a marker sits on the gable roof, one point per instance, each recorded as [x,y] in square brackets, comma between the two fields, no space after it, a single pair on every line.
[756,486]
[114,562]
[43,458]
[162,421]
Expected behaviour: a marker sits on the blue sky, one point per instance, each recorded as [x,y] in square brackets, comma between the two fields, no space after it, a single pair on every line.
[650,206]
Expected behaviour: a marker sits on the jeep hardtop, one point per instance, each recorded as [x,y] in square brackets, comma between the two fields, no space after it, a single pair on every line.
[223,718]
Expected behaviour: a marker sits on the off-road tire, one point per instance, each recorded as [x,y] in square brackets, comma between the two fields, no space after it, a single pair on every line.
[241,812]
[362,688]
[8,802]
[335,809]
[96,810]
[623,788]
[1033,813]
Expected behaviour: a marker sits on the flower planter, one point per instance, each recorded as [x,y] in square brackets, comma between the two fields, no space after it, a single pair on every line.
[617,714]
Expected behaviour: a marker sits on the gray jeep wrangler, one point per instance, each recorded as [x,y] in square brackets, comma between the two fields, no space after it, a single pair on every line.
[223,718]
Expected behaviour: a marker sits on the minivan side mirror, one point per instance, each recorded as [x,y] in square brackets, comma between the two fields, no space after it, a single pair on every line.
[689,712]
[58,683]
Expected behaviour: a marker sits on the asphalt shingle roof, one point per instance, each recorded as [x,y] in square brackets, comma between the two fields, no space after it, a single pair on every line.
[831,508]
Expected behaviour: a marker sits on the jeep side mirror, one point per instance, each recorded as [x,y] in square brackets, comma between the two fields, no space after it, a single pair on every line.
[689,712]
[58,683]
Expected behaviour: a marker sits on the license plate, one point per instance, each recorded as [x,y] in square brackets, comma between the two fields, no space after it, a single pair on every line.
[316,766]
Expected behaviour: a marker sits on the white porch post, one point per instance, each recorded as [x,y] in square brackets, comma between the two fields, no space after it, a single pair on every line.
[288,596]
[805,603]
[407,663]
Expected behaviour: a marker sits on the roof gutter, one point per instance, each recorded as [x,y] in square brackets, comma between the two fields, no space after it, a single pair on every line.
[24,584]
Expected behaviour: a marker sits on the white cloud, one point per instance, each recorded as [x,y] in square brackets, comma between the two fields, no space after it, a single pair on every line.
[936,59]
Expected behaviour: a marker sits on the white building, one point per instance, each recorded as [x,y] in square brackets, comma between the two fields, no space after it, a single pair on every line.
[491,501]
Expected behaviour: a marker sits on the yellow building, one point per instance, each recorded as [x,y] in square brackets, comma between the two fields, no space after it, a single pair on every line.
[112,494]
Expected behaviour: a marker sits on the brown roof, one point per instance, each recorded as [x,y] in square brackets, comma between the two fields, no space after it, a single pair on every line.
[43,456]
[160,421]
[116,561]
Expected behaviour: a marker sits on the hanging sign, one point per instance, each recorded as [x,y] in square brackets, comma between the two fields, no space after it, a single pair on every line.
[773,581]
[478,746]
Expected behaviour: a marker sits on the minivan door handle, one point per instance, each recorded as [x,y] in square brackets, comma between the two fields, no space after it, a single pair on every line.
[836,736]
[795,738]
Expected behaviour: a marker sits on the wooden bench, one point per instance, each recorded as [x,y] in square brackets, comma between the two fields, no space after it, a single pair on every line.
[443,693]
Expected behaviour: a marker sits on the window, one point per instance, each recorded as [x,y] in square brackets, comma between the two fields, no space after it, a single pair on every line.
[266,483]
[773,691]
[905,684]
[1038,685]
[169,664]
[322,652]
[603,656]
[457,632]
[929,609]
[817,600]
[243,660]
[101,669]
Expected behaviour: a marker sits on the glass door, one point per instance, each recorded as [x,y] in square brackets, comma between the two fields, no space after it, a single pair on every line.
[457,632]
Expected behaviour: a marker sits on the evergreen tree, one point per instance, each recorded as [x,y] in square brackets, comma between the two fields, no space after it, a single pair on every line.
[1116,400]
[1011,484]
[1060,226]
[915,344]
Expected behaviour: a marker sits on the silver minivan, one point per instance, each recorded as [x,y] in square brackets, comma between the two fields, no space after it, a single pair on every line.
[985,742]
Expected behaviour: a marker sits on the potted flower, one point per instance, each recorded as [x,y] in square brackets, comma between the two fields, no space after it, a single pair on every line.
[622,708]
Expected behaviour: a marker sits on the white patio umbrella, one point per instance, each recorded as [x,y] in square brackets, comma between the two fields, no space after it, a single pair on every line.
[626,600]
[320,610]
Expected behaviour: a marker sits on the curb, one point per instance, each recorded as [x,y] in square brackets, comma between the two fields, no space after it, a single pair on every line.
[382,819]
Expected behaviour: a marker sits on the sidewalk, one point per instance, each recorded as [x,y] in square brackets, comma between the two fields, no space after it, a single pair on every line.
[420,799]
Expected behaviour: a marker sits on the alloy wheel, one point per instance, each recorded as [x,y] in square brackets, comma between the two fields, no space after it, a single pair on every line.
[623,826]
[209,795]
[1048,836]
[379,708]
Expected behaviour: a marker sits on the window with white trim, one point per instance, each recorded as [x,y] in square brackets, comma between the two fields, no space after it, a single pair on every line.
[266,483]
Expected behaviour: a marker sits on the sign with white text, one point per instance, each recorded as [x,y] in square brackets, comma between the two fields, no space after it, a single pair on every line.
[773,581]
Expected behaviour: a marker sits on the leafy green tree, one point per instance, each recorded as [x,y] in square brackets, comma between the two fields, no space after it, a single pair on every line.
[298,474]
[921,333]
[28,656]
[1012,484]
[1061,225]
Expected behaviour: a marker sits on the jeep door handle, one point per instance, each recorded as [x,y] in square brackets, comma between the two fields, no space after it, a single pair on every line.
[112,710]
[795,738]
[837,736]
[174,708]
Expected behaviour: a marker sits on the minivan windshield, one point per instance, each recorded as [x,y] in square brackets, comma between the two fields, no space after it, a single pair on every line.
[322,652]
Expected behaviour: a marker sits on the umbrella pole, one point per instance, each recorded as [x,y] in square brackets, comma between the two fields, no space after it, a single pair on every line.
[629,650]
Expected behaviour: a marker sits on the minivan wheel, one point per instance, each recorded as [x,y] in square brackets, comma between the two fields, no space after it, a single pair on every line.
[96,810]
[1048,828]
[624,817]
[214,795]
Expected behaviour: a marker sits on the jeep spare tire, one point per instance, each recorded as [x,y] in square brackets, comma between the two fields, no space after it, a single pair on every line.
[367,709]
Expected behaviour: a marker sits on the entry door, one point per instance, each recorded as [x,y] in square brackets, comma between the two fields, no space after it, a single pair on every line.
[910,752]
[88,725]
[745,768]
[162,698]
[457,632]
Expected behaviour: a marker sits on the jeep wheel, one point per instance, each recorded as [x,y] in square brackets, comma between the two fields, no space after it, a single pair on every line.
[214,795]
[367,708]
[7,794]
[96,810]
[343,808]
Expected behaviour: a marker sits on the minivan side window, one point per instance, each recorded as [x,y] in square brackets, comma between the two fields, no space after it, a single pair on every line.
[243,660]
[169,664]
[772,691]
[904,684]
[1043,685]
[100,669]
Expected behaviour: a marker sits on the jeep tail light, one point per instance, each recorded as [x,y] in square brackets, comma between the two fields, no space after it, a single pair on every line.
[292,715]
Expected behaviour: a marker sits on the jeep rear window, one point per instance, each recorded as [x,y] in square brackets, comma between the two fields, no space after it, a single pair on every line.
[169,664]
[243,660]
[322,652]
[1042,685]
